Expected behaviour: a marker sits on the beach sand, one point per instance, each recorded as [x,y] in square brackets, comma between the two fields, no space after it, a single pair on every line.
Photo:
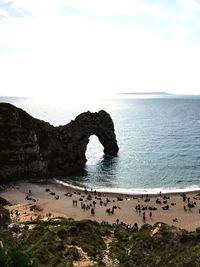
[44,205]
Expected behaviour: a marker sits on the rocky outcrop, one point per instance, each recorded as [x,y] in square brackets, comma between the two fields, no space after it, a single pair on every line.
[33,148]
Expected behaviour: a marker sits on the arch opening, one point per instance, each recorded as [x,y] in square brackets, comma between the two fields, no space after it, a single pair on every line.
[94,151]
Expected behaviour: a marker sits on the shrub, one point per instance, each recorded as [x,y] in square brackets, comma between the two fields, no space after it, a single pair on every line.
[72,253]
[15,257]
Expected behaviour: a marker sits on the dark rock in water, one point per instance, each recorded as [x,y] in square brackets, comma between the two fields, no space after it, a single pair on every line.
[33,148]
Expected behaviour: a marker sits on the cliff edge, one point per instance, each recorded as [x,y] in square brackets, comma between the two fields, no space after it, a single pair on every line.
[30,147]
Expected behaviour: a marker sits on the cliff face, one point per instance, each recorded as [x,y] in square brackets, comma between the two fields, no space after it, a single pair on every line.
[33,148]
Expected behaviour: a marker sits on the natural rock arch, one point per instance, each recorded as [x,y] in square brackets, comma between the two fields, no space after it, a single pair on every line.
[31,147]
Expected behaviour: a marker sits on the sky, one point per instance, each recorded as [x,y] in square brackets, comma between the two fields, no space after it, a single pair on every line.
[76,48]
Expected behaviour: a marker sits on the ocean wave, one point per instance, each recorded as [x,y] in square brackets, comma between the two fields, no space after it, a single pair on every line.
[134,191]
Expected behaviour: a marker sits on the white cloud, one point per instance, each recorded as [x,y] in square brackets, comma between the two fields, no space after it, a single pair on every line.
[113,7]
[192,4]
[74,55]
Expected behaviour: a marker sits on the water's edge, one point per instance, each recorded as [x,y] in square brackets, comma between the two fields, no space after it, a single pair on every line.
[132,191]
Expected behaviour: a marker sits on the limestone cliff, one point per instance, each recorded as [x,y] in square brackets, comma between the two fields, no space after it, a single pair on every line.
[33,148]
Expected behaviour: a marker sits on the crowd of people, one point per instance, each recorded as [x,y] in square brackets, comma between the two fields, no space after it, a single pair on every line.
[145,206]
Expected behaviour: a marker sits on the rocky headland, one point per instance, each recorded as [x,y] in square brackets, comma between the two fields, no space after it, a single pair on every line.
[34,148]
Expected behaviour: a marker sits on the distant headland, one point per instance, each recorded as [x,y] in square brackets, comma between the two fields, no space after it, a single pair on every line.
[145,93]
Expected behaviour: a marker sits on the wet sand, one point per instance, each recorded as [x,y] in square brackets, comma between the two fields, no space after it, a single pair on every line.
[41,204]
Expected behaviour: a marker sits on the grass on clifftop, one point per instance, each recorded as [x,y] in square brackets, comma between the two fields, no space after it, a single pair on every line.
[62,242]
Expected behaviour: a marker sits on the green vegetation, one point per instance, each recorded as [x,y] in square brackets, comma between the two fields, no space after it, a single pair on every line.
[61,242]
[15,257]
[169,247]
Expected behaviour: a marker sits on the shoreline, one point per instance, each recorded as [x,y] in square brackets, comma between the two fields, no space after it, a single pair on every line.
[108,191]
[122,191]
[49,197]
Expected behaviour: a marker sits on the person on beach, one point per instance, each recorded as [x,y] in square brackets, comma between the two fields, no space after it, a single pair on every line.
[92,211]
[143,217]
[135,227]
[85,190]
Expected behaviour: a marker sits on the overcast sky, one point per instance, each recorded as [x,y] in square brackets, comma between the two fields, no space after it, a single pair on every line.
[89,47]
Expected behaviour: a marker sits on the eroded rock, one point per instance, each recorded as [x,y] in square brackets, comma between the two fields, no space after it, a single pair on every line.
[33,148]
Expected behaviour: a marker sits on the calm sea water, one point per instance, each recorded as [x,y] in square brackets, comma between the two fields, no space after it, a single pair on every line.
[158,137]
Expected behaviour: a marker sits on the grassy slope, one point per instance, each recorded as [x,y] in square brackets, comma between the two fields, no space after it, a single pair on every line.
[60,242]
[55,243]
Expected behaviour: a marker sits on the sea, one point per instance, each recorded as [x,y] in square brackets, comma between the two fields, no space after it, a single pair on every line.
[158,138]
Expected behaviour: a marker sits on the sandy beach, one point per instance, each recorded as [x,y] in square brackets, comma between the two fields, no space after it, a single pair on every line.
[33,200]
